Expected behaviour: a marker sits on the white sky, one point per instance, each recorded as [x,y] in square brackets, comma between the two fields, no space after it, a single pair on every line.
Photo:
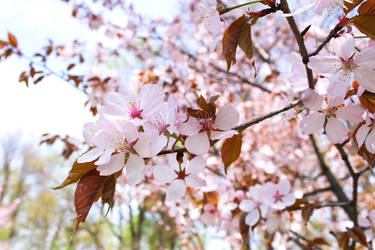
[53,106]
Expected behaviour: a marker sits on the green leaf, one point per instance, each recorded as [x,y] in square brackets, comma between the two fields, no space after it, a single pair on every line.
[231,150]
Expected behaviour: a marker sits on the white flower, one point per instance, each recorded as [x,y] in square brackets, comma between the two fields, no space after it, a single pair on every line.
[180,175]
[278,196]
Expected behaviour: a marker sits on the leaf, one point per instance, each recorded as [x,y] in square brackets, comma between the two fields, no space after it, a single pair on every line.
[88,191]
[231,39]
[343,240]
[78,170]
[209,108]
[197,113]
[307,211]
[38,79]
[70,66]
[3,43]
[12,40]
[231,150]
[368,100]
[357,235]
[367,8]
[109,188]
[298,205]
[245,42]
[349,5]
[320,241]
[365,23]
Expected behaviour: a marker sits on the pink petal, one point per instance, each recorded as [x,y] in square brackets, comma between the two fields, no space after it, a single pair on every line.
[352,113]
[336,131]
[90,155]
[113,166]
[312,123]
[164,174]
[189,128]
[105,157]
[324,64]
[311,99]
[252,218]
[220,135]
[370,142]
[283,186]
[196,165]
[176,190]
[194,181]
[198,144]
[365,77]
[247,205]
[365,58]
[361,135]
[344,46]
[227,118]
[135,167]
[339,84]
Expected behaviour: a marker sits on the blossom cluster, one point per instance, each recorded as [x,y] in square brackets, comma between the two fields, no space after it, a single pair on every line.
[268,202]
[131,129]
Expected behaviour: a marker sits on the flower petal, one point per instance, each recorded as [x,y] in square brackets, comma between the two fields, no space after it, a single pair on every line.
[311,99]
[227,118]
[113,166]
[196,165]
[219,135]
[247,205]
[352,113]
[253,217]
[336,131]
[176,190]
[361,135]
[194,181]
[90,155]
[370,142]
[105,157]
[312,123]
[164,174]
[189,128]
[324,64]
[134,169]
[198,144]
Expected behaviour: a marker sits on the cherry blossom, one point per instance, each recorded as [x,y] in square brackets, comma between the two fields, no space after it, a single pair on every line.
[368,223]
[278,196]
[207,11]
[200,131]
[255,207]
[366,134]
[346,65]
[180,175]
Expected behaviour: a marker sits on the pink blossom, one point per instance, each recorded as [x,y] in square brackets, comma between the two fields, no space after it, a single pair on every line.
[200,132]
[180,175]
[278,196]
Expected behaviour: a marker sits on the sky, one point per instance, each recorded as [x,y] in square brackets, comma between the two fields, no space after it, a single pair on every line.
[44,108]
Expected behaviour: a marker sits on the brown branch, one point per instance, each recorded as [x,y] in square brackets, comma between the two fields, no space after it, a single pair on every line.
[335,185]
[331,35]
[317,191]
[300,42]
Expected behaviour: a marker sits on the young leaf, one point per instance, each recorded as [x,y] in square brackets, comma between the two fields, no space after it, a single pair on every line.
[367,8]
[231,39]
[12,40]
[367,99]
[231,150]
[307,211]
[245,42]
[349,5]
[109,188]
[78,170]
[365,23]
[358,235]
[88,191]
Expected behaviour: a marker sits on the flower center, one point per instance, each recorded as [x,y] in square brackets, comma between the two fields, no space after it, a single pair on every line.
[135,111]
[278,197]
[348,65]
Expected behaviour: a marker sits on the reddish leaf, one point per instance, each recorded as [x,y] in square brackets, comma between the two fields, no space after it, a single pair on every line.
[365,23]
[38,79]
[109,188]
[209,108]
[307,211]
[298,205]
[320,241]
[88,191]
[343,240]
[349,5]
[3,43]
[367,8]
[231,150]
[70,66]
[368,100]
[197,113]
[78,170]
[231,39]
[245,42]
[358,235]
[12,40]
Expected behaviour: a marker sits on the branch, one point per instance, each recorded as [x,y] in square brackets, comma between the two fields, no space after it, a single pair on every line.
[317,191]
[335,185]
[300,42]
[331,35]
[264,117]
